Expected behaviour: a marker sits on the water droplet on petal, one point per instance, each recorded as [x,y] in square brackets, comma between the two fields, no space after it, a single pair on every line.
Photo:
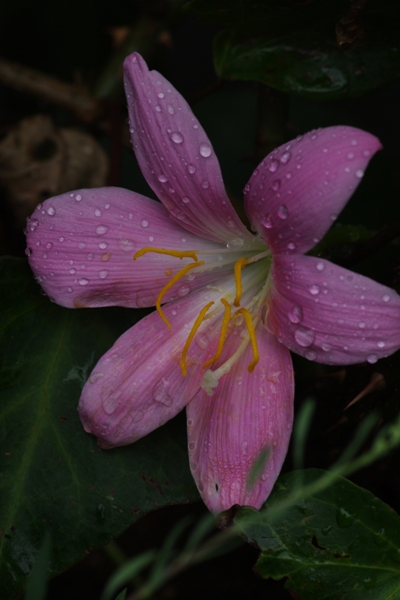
[183,291]
[162,178]
[157,108]
[101,229]
[304,337]
[185,200]
[177,138]
[144,223]
[296,314]
[97,212]
[191,169]
[285,158]
[267,222]
[78,197]
[372,359]
[103,274]
[291,246]
[359,173]
[311,355]
[205,185]
[320,266]
[160,95]
[170,109]
[381,344]
[314,290]
[273,165]
[276,185]
[386,298]
[83,281]
[103,245]
[326,347]
[33,224]
[283,212]
[51,211]
[49,245]
[205,150]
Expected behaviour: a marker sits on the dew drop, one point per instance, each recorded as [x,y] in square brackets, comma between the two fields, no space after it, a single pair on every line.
[157,108]
[381,344]
[320,266]
[350,155]
[144,223]
[103,274]
[61,239]
[285,158]
[185,200]
[101,229]
[267,222]
[83,281]
[372,359]
[314,290]
[78,197]
[170,109]
[359,173]
[205,185]
[33,224]
[291,246]
[49,245]
[273,165]
[191,169]
[304,337]
[103,245]
[283,212]
[162,178]
[160,95]
[183,291]
[177,138]
[296,314]
[97,212]
[126,245]
[51,211]
[276,185]
[386,298]
[326,347]
[311,355]
[205,150]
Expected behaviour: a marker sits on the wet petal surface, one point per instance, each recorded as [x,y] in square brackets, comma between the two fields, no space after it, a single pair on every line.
[298,190]
[81,247]
[248,419]
[331,315]
[176,157]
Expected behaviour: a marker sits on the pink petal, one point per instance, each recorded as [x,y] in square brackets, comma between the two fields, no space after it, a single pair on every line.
[176,157]
[138,384]
[248,415]
[329,314]
[81,246]
[298,190]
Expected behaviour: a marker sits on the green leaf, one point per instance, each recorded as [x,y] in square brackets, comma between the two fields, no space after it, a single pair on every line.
[294,47]
[37,582]
[341,543]
[53,476]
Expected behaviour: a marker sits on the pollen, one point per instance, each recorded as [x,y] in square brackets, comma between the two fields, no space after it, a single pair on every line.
[253,339]
[222,336]
[200,318]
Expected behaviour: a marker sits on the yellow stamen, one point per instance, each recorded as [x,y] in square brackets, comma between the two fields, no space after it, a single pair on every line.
[177,253]
[169,285]
[222,336]
[253,339]
[196,325]
[239,264]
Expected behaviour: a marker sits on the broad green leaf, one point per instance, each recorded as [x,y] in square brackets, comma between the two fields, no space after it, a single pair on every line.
[339,543]
[53,475]
[294,47]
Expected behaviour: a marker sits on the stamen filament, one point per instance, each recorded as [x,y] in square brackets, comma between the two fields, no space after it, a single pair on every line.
[222,336]
[196,325]
[177,253]
[169,285]
[253,339]
[239,264]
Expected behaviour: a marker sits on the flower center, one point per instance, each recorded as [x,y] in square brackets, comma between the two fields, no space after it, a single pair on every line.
[249,315]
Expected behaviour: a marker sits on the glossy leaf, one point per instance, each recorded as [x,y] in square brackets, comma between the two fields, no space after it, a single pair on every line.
[320,50]
[54,477]
[339,543]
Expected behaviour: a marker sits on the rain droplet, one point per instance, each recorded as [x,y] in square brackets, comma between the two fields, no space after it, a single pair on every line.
[381,344]
[103,274]
[314,290]
[103,245]
[205,185]
[185,200]
[291,246]
[101,230]
[28,251]
[359,173]
[386,298]
[162,178]
[126,245]
[191,169]
[285,158]
[273,165]
[276,185]
[267,222]
[296,314]
[372,359]
[160,95]
[326,347]
[78,197]
[304,337]
[33,224]
[350,155]
[170,109]
[205,150]
[97,212]
[144,223]
[311,355]
[157,108]
[49,245]
[61,239]
[183,291]
[283,212]
[177,138]
[83,281]
[320,266]
[51,211]
[333,217]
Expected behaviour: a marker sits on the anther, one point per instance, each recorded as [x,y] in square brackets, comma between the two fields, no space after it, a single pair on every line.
[177,253]
[253,339]
[169,285]
[196,325]
[222,336]
[239,264]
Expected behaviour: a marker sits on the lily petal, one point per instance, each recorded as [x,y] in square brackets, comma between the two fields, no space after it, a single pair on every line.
[329,314]
[298,190]
[246,424]
[81,246]
[138,384]
[176,157]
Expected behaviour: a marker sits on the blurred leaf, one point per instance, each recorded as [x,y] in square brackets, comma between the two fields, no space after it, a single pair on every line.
[298,47]
[53,474]
[37,582]
[339,543]
[125,573]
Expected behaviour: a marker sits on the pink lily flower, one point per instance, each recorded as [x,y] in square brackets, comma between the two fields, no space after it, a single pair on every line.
[230,303]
